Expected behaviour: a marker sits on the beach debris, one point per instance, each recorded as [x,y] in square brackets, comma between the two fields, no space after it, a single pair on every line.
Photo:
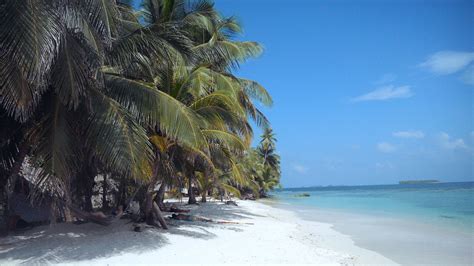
[195,218]
[172,208]
[134,208]
[248,196]
[231,202]
[302,195]
[447,216]
[137,228]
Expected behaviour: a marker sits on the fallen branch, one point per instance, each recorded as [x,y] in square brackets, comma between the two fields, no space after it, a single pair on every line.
[193,218]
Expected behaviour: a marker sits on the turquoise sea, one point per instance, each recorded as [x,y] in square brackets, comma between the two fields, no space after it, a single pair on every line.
[410,224]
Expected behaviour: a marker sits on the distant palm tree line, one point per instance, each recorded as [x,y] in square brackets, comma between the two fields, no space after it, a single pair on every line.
[140,97]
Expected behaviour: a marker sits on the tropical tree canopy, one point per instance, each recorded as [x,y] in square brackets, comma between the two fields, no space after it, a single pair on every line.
[141,98]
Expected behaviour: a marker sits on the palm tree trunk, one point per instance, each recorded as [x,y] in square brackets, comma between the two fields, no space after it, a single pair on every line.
[11,181]
[159,216]
[121,195]
[160,197]
[88,199]
[192,197]
[104,194]
[88,186]
[12,178]
[203,196]
[67,211]
[52,213]
[152,211]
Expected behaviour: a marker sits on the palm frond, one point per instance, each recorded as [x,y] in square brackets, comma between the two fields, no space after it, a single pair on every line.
[19,97]
[203,156]
[256,91]
[237,173]
[222,54]
[218,109]
[161,143]
[151,11]
[30,35]
[10,141]
[231,189]
[104,16]
[225,139]
[257,116]
[29,38]
[153,106]
[57,140]
[158,41]
[75,66]
[118,139]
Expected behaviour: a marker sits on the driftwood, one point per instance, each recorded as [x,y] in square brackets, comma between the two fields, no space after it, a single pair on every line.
[98,217]
[231,202]
[194,218]
[95,218]
[171,208]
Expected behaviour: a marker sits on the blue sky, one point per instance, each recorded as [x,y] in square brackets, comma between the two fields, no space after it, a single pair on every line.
[365,92]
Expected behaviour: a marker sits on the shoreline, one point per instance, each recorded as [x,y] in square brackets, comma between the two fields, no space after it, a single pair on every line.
[403,240]
[275,236]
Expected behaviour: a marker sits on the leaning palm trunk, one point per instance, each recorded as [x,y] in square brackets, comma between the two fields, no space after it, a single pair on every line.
[159,216]
[160,196]
[152,211]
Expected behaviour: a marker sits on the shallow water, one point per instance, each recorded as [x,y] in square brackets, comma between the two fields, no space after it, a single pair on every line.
[410,224]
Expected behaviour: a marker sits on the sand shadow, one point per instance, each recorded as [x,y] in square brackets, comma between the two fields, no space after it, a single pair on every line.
[75,243]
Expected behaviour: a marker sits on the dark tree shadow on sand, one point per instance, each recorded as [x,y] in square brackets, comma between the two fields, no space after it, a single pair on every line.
[74,243]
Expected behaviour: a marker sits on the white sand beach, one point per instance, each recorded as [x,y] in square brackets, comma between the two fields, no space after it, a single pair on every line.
[272,236]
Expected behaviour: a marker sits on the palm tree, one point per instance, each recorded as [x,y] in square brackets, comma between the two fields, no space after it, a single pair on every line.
[92,87]
[187,80]
[267,147]
[64,97]
[262,164]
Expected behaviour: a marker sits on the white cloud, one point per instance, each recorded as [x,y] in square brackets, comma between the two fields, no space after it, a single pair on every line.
[385,93]
[449,143]
[447,62]
[384,165]
[386,147]
[409,134]
[386,78]
[300,168]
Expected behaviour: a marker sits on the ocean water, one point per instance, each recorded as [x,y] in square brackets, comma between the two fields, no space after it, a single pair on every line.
[410,224]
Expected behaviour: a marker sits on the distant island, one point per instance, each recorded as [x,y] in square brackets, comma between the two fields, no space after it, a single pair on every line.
[426,181]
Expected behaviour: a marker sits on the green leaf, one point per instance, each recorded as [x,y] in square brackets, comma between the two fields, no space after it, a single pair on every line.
[231,189]
[226,139]
[30,33]
[256,91]
[175,119]
[56,139]
[119,141]
[75,66]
